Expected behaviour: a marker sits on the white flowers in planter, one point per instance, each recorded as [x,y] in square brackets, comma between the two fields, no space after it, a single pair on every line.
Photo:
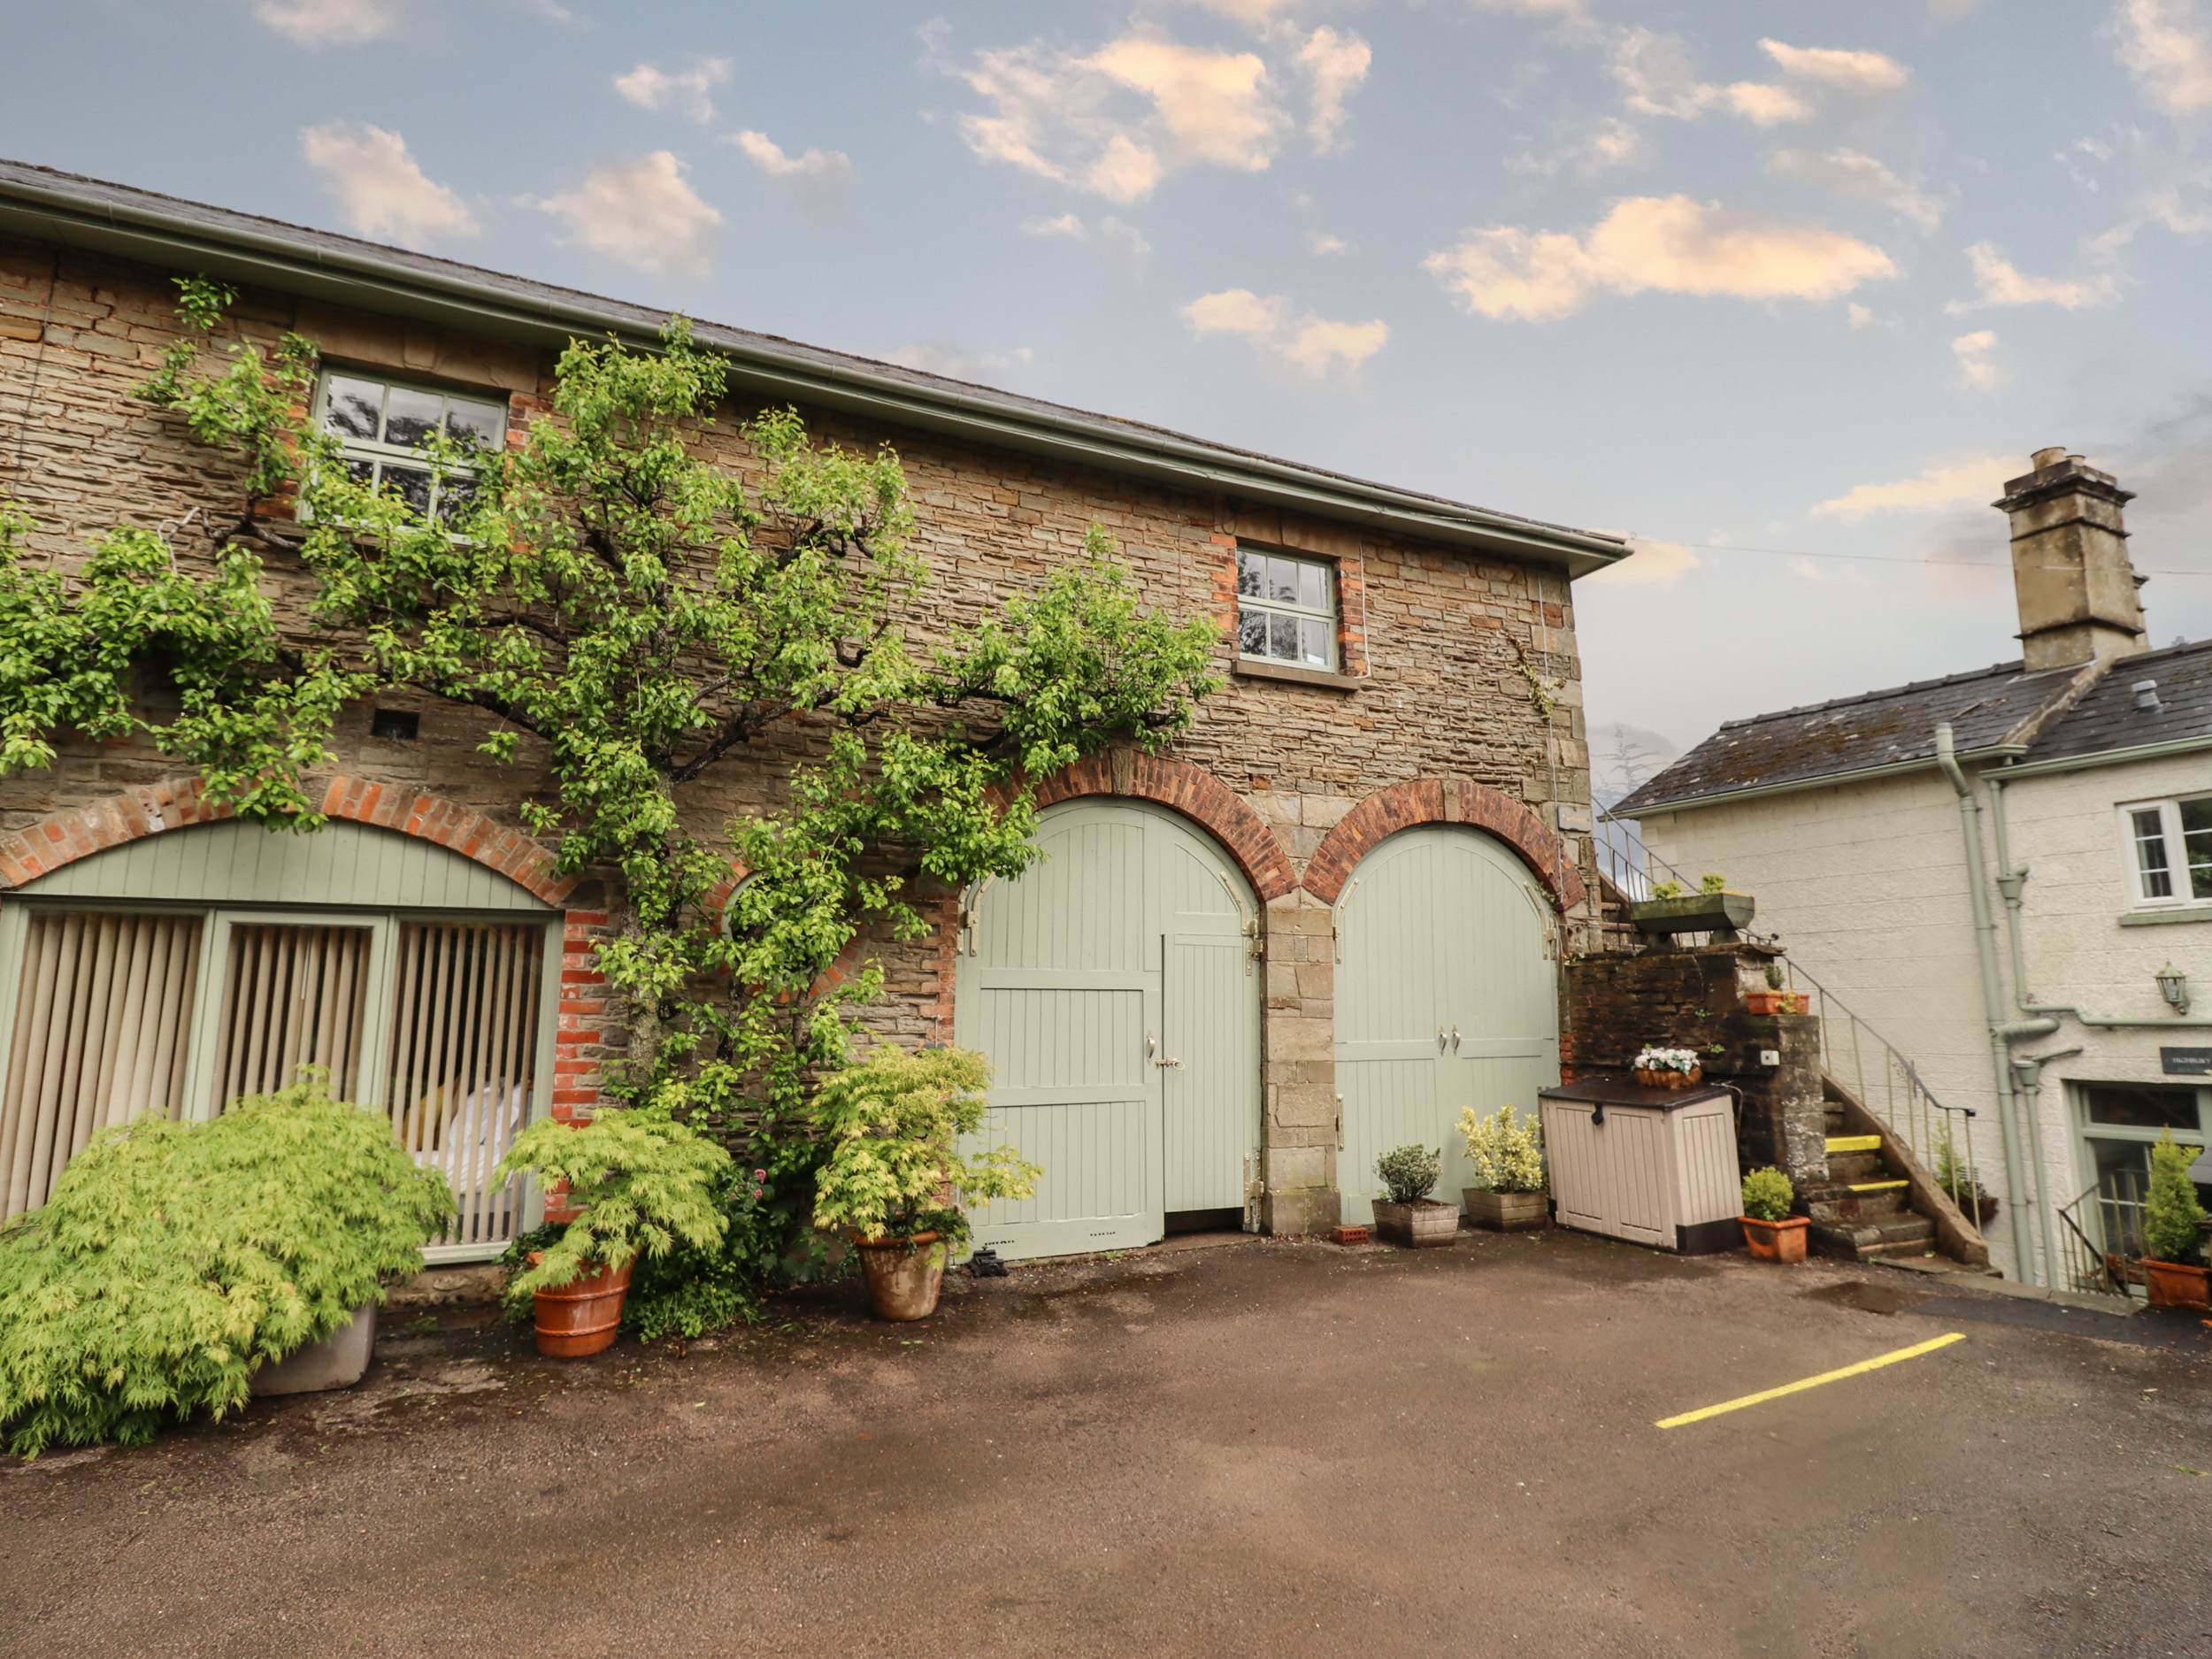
[1682,1060]
[1508,1152]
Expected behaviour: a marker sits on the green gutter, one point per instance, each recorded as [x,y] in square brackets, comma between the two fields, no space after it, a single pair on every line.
[455,298]
[1994,751]
[2112,756]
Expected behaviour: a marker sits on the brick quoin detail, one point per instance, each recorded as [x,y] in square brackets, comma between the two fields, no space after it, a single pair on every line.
[1423,801]
[1198,796]
[181,803]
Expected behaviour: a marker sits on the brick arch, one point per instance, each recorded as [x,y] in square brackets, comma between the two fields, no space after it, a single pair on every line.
[1438,801]
[1197,795]
[62,838]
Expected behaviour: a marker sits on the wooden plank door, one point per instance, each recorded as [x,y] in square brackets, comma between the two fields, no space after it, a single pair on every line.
[1211,1066]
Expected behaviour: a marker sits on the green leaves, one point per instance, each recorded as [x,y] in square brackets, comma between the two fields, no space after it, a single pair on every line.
[2172,1216]
[175,1258]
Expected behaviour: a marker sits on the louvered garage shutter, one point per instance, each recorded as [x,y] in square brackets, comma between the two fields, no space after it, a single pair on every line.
[293,996]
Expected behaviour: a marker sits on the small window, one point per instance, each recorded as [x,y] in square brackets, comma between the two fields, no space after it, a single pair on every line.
[383,426]
[1286,609]
[2149,1108]
[2172,842]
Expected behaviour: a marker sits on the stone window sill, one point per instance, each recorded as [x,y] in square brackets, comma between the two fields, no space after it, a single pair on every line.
[2159,918]
[1253,668]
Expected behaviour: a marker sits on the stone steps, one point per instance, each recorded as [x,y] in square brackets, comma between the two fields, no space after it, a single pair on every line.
[1862,1213]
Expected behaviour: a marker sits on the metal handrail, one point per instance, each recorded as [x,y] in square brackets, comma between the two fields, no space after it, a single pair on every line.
[2088,1269]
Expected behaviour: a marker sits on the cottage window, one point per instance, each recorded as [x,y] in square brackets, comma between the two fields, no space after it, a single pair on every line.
[2172,841]
[2117,1125]
[384,427]
[1286,609]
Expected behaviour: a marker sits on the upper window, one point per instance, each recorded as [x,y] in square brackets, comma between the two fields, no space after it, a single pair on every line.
[1286,609]
[383,427]
[2171,844]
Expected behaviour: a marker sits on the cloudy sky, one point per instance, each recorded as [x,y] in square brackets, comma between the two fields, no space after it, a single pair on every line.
[1784,289]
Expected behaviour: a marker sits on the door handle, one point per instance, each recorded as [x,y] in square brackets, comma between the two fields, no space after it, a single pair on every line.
[1442,1039]
[1455,1039]
[1152,1052]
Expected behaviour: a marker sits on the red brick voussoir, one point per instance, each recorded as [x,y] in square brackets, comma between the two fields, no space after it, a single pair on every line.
[1197,795]
[1425,800]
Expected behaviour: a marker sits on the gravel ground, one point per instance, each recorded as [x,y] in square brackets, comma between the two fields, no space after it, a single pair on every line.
[1224,1448]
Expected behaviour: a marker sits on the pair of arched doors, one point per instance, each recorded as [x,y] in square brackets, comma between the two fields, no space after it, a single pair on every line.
[1116,989]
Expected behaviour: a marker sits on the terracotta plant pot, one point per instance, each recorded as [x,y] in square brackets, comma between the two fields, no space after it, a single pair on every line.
[336,1362]
[582,1316]
[1777,1002]
[1782,1240]
[1670,1079]
[1422,1225]
[904,1275]
[1507,1212]
[2172,1285]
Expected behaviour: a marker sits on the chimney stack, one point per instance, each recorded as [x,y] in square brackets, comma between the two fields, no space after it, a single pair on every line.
[2069,565]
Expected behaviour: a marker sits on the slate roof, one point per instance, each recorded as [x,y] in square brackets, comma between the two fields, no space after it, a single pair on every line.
[2106,718]
[1987,709]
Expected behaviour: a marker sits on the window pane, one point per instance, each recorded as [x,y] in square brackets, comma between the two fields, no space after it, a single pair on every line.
[352,407]
[1251,574]
[456,495]
[2196,838]
[1282,638]
[362,472]
[2142,1108]
[1282,580]
[2150,855]
[1313,587]
[473,425]
[410,418]
[292,996]
[410,484]
[1252,633]
[1317,634]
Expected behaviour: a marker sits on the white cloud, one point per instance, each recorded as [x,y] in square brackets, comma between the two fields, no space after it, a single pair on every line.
[1977,478]
[384,193]
[955,361]
[650,89]
[1117,121]
[1590,147]
[1976,356]
[2167,46]
[1321,243]
[1860,177]
[1123,244]
[313,23]
[1765,105]
[1868,74]
[1309,342]
[1336,64]
[1673,244]
[1660,80]
[822,175]
[638,212]
[1864,320]
[1649,563]
[1996,282]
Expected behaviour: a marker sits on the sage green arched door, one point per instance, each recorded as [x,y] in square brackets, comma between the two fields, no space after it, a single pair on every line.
[1114,990]
[1447,997]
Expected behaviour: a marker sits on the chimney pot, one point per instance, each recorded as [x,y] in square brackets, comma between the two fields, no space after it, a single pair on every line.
[2042,458]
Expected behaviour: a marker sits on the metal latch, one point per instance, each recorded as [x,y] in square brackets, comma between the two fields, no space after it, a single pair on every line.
[1152,1050]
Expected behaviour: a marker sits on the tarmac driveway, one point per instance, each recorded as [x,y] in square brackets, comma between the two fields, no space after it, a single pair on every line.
[1258,1449]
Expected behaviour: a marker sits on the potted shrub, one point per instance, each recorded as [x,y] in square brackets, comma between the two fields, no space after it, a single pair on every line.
[1958,1183]
[1711,910]
[642,1182]
[1772,1233]
[1774,999]
[894,1180]
[1411,1216]
[1667,1068]
[1508,1154]
[2173,1232]
[177,1262]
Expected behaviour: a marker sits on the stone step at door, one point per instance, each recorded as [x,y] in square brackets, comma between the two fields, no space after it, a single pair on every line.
[1862,1213]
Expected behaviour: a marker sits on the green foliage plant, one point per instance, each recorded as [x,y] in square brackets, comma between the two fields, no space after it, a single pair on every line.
[1767,1194]
[641,1181]
[627,613]
[893,1126]
[1712,883]
[1408,1173]
[2173,1219]
[1507,1151]
[1669,890]
[174,1259]
[1951,1172]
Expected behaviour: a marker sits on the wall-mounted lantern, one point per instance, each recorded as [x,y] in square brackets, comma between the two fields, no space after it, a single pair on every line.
[2173,984]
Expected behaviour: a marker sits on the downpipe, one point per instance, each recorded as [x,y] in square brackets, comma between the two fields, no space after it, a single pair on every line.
[2003,1033]
[2027,1070]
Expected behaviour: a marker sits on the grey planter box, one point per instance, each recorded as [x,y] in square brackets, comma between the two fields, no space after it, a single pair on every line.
[1417,1225]
[1507,1212]
[1694,913]
[336,1362]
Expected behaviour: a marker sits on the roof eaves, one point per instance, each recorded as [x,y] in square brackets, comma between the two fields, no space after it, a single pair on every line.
[59,207]
[1633,808]
[2111,756]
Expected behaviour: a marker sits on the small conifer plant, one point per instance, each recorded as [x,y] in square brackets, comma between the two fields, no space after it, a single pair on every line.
[1408,1172]
[2173,1220]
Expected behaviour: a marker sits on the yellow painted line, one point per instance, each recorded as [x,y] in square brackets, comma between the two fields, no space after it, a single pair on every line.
[1877,1187]
[1876,1364]
[1854,1144]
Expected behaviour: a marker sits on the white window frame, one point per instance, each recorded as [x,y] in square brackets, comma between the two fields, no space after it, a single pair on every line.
[1331,612]
[2176,845]
[379,453]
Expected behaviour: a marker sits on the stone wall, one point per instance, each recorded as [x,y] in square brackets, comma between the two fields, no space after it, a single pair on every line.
[1695,999]
[1434,637]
